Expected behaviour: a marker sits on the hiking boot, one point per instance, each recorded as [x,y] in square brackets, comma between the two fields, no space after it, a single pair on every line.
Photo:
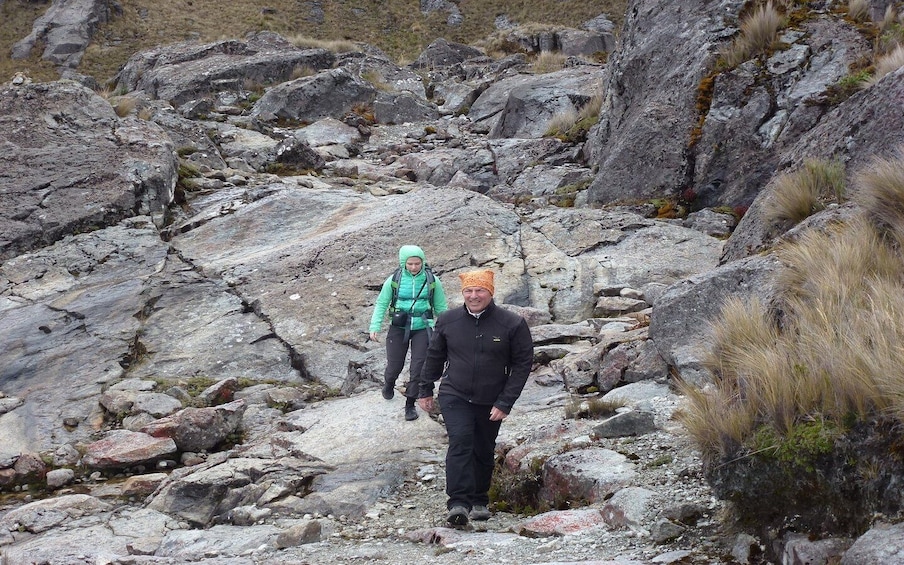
[458,516]
[410,413]
[480,514]
[388,390]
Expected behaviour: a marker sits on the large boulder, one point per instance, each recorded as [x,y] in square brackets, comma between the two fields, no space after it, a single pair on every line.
[327,94]
[187,71]
[523,105]
[648,113]
[758,111]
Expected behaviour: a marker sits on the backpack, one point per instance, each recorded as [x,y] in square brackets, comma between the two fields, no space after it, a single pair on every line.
[430,283]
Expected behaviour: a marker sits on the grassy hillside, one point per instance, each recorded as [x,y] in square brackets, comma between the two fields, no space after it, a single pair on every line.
[396,26]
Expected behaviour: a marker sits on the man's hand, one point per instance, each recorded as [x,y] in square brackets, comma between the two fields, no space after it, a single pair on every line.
[374,336]
[497,415]
[426,404]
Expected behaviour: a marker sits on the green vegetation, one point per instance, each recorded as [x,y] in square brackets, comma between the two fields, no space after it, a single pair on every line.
[518,491]
[393,26]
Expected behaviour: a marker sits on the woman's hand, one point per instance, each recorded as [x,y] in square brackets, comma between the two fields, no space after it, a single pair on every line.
[374,336]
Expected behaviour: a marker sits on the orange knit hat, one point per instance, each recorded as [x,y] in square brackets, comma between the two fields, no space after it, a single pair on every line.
[482,279]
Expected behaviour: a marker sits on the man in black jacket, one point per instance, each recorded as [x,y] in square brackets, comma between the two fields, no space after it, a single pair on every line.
[489,352]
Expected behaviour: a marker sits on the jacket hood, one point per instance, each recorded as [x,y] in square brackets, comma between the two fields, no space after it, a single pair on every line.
[408,251]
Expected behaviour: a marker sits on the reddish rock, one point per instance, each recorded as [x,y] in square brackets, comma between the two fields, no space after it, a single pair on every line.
[122,448]
[29,468]
[560,523]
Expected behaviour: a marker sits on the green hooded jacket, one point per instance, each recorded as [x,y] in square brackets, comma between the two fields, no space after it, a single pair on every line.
[410,285]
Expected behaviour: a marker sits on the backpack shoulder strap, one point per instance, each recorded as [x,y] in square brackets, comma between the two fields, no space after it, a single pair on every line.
[396,279]
[431,284]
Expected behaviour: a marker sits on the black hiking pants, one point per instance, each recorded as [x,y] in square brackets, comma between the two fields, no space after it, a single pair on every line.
[471,453]
[397,349]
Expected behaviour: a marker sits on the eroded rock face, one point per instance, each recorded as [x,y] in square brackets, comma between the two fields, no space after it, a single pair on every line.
[69,164]
[645,126]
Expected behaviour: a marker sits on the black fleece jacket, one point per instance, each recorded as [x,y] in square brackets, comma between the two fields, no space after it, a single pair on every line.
[489,358]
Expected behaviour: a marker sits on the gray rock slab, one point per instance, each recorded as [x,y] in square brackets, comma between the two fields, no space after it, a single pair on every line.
[341,431]
[230,540]
[312,260]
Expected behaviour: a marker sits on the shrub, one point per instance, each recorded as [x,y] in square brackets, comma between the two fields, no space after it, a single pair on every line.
[759,32]
[802,193]
[518,491]
[886,64]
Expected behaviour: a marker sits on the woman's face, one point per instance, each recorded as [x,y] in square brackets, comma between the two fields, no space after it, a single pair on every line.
[414,264]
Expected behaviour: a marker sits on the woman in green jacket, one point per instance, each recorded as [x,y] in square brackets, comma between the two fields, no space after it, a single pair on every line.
[413,298]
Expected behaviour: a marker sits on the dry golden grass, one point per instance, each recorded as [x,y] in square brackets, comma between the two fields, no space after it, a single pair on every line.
[881,193]
[802,193]
[124,106]
[858,10]
[374,78]
[548,62]
[836,355]
[572,124]
[759,32]
[889,19]
[336,46]
[562,122]
[591,110]
[886,64]
[396,27]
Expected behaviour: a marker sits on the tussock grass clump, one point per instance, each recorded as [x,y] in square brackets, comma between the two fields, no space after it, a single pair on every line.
[802,193]
[800,382]
[548,62]
[886,64]
[592,408]
[759,32]
[573,125]
[124,106]
[858,10]
[881,193]
[830,360]
[336,45]
[376,79]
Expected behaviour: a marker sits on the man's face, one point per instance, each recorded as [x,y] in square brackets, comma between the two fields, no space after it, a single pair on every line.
[414,264]
[477,298]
